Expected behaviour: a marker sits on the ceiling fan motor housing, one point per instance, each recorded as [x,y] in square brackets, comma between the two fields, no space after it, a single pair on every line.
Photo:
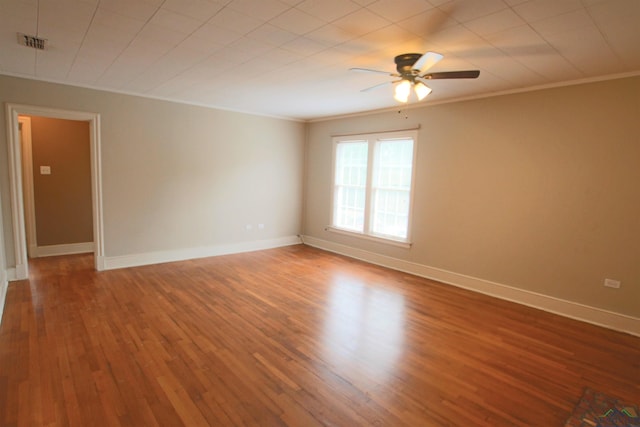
[404,63]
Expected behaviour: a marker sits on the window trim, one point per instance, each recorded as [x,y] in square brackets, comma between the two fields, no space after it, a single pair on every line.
[370,237]
[372,139]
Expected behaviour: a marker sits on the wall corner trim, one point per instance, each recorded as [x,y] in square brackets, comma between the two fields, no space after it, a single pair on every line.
[100,263]
[148,258]
[4,287]
[597,316]
[19,272]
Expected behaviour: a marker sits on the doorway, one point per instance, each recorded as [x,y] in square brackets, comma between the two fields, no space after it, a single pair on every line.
[19,223]
[56,185]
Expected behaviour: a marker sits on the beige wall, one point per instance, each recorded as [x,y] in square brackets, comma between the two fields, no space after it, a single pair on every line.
[539,190]
[62,200]
[177,176]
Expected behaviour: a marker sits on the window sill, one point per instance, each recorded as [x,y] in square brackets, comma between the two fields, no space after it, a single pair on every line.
[378,239]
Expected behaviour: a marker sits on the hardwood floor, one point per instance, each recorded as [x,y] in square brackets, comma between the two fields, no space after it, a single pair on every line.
[289,337]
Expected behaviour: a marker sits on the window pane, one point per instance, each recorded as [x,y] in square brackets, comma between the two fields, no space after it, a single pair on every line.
[391,212]
[349,211]
[351,163]
[391,187]
[350,185]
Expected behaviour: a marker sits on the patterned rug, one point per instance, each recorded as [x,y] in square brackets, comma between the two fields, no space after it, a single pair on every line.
[599,410]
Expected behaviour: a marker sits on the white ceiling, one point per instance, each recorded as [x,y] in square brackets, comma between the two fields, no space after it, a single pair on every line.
[291,58]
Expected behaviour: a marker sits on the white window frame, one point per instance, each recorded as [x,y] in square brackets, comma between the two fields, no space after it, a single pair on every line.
[372,139]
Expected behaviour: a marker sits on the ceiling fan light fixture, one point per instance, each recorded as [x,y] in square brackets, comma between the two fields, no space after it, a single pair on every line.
[402,91]
[411,70]
[422,90]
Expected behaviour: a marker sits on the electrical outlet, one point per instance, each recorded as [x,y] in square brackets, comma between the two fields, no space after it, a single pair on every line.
[260,226]
[248,227]
[610,283]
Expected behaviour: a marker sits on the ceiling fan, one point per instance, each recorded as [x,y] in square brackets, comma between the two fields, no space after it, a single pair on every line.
[412,71]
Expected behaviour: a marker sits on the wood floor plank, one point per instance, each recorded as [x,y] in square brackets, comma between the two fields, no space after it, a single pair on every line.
[289,337]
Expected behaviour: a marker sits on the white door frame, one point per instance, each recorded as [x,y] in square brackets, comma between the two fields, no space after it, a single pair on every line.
[27,185]
[15,178]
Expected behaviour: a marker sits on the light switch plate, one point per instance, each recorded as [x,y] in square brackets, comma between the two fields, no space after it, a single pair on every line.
[45,170]
[610,283]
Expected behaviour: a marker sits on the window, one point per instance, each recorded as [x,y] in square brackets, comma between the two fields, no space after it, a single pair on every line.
[372,187]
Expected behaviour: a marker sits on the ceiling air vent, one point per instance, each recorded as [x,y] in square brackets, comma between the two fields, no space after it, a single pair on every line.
[31,41]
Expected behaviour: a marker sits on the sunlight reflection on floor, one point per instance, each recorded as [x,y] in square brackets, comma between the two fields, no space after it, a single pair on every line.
[364,328]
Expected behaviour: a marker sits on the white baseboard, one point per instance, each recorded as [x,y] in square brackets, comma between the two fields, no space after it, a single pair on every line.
[134,260]
[597,316]
[66,249]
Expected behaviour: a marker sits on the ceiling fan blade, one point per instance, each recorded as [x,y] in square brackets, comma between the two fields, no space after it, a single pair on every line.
[377,86]
[427,61]
[468,74]
[367,70]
